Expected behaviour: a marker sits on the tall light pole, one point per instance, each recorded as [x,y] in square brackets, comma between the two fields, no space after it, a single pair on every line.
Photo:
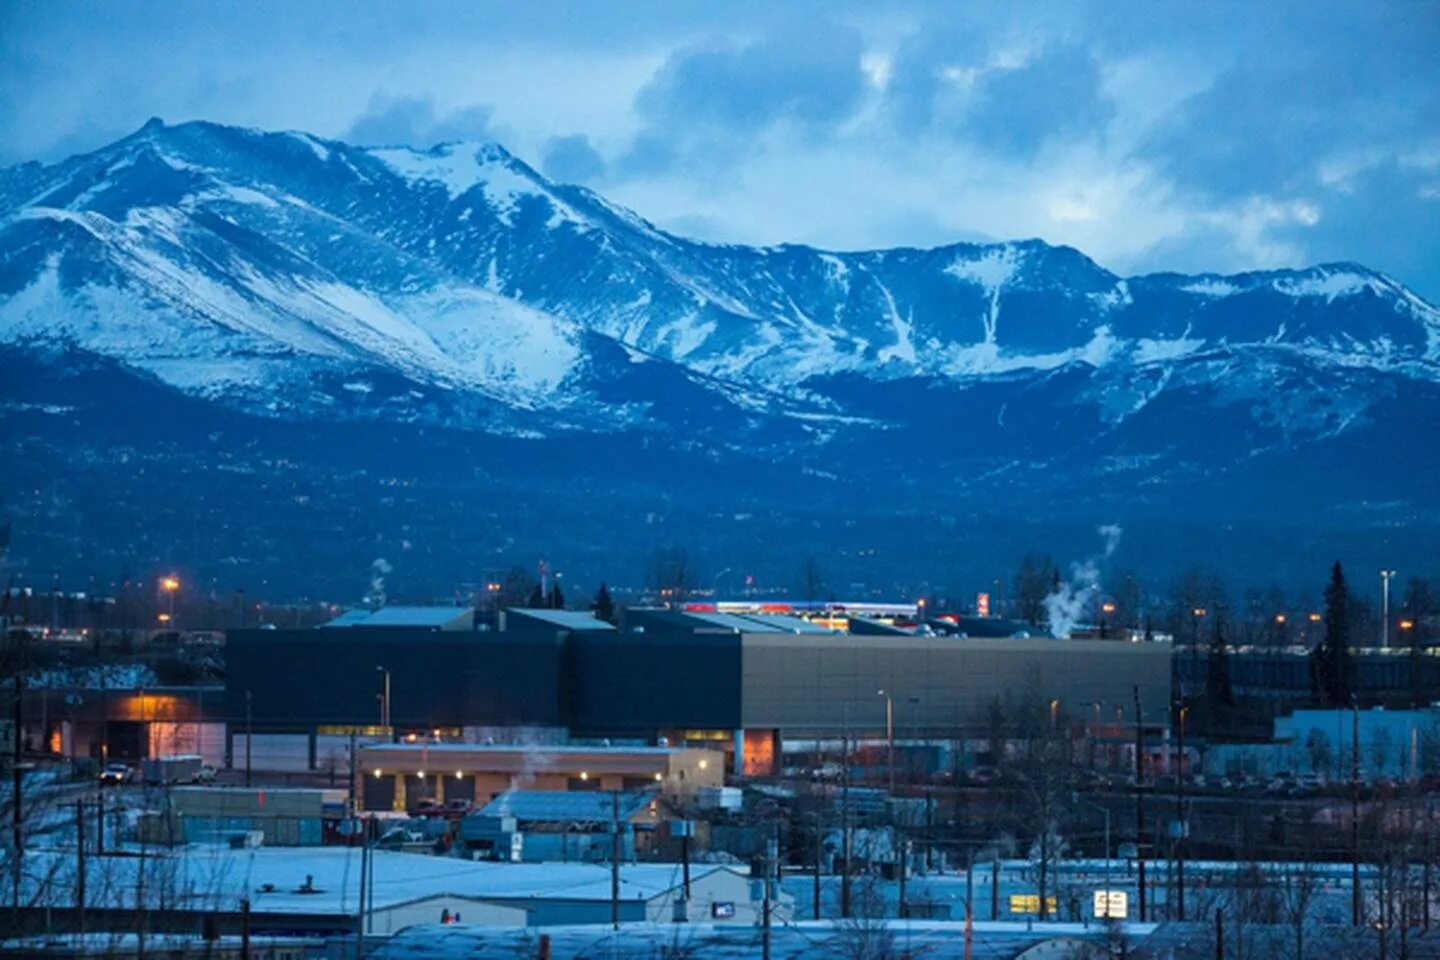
[1385,576]
[170,585]
[385,701]
[889,735]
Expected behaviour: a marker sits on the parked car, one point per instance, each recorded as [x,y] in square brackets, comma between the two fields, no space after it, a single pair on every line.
[116,773]
[457,807]
[429,807]
[397,837]
[206,774]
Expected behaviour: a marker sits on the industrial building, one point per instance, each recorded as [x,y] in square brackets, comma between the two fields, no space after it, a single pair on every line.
[739,683]
[397,776]
[317,891]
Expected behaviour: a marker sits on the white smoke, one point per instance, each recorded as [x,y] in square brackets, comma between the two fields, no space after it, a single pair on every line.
[1066,606]
[378,569]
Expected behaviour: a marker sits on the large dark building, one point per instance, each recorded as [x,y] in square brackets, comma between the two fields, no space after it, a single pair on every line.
[741,682]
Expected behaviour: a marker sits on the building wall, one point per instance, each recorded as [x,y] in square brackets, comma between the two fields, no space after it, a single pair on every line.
[803,684]
[299,679]
[393,919]
[634,684]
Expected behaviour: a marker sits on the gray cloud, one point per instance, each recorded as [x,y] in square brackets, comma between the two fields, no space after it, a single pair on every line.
[1055,95]
[415,122]
[1387,216]
[1148,134]
[572,160]
[811,76]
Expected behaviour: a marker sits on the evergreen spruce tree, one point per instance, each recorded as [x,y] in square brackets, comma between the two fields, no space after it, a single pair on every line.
[1217,677]
[536,600]
[556,598]
[604,606]
[1335,660]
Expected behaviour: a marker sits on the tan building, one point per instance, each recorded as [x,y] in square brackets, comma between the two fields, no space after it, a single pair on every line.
[396,776]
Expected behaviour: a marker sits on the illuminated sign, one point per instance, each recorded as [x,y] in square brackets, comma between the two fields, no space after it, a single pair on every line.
[982,604]
[1112,904]
[1030,903]
[722,910]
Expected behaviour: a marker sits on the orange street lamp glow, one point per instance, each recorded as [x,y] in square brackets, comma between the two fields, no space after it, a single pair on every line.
[170,584]
[1407,624]
[1280,618]
[1108,607]
[1314,618]
[164,618]
[1198,612]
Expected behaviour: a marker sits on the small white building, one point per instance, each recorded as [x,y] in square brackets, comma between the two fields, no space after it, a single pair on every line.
[317,890]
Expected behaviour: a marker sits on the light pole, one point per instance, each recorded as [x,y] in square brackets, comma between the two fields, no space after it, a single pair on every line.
[1196,616]
[1385,576]
[385,702]
[889,736]
[1105,810]
[1095,734]
[170,585]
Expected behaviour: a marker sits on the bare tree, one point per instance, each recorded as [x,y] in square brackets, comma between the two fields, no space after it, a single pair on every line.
[865,934]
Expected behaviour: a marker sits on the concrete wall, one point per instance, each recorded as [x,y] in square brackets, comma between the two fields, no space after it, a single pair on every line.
[805,684]
[393,919]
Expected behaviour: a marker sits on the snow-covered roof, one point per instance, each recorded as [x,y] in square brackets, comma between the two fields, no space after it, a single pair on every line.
[432,617]
[569,619]
[565,806]
[276,880]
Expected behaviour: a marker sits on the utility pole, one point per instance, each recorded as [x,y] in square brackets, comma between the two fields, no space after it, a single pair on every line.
[1184,822]
[249,734]
[845,819]
[17,826]
[902,861]
[1140,801]
[615,860]
[995,887]
[819,851]
[360,906]
[244,928]
[1355,907]
[889,737]
[1385,576]
[772,859]
[79,866]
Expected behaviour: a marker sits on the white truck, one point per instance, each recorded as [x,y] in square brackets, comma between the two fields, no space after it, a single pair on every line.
[179,768]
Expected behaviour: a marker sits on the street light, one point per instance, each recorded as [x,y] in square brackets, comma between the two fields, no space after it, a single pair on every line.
[170,585]
[1195,617]
[890,732]
[1105,810]
[1385,576]
[385,701]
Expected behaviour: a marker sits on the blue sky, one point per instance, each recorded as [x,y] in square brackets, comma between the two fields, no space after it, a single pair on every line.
[1153,136]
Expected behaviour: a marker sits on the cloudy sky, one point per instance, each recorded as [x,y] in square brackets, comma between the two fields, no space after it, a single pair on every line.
[1153,136]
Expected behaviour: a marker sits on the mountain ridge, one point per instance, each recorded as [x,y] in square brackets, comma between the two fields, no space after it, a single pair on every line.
[290,277]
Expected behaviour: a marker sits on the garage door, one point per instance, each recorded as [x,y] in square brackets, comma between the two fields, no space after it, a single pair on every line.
[379,793]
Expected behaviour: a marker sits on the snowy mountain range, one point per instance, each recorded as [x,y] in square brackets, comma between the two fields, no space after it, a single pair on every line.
[291,278]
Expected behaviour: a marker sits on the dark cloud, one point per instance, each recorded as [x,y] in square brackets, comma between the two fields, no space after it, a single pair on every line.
[919,90]
[415,122]
[811,76]
[572,160]
[1336,78]
[1387,217]
[1055,95]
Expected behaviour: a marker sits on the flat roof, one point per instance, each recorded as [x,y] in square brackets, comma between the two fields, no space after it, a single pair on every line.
[401,617]
[207,875]
[522,750]
[569,619]
[556,806]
